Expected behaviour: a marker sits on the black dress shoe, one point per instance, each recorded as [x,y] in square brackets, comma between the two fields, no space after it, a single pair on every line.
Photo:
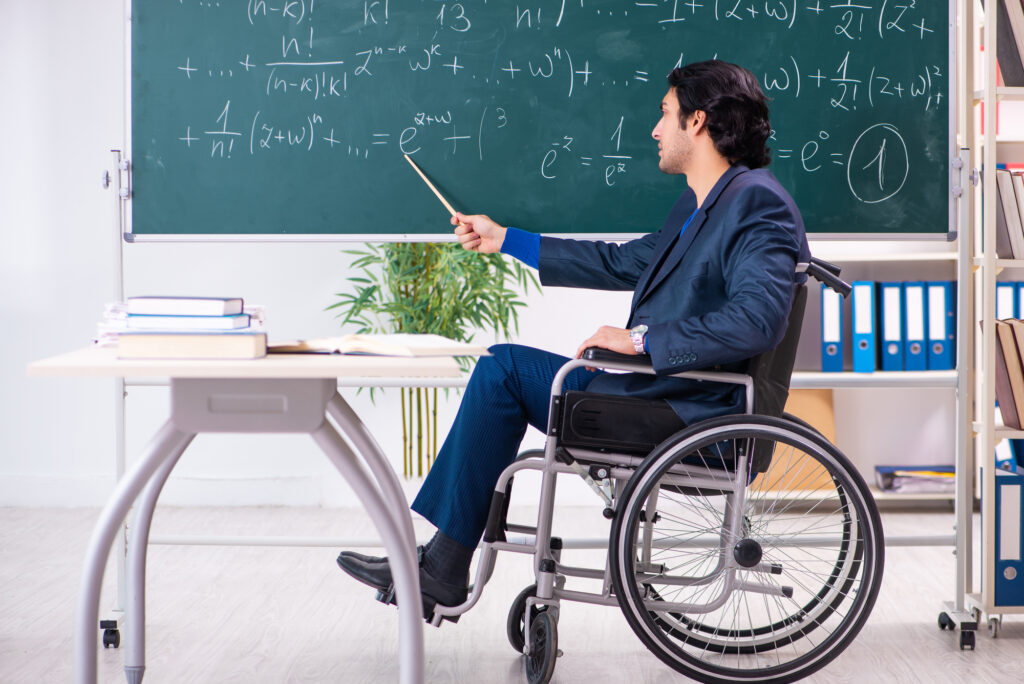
[365,560]
[378,576]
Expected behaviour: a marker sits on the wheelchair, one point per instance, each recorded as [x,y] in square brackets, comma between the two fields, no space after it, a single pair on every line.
[743,548]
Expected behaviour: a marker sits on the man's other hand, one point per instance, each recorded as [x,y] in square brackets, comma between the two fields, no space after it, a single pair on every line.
[478,233]
[607,337]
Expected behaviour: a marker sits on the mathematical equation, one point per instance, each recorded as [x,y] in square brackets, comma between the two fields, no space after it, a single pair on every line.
[311,74]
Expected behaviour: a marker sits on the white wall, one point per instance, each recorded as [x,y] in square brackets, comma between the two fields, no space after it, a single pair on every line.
[61,113]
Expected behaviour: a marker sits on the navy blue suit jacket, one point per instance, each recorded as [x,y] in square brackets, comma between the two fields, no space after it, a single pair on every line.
[712,299]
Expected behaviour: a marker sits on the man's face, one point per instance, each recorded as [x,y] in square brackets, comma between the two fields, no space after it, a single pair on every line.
[675,145]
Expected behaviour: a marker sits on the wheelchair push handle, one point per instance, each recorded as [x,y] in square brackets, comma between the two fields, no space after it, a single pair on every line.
[827,273]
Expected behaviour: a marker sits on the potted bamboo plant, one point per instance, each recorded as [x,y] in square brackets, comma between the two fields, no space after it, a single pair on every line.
[438,288]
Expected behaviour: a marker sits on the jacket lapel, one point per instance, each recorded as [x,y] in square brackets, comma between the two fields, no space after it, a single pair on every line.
[678,247]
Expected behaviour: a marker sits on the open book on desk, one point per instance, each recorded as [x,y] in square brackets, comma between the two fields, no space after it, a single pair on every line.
[398,344]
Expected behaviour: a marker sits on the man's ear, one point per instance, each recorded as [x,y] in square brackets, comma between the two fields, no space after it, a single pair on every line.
[698,120]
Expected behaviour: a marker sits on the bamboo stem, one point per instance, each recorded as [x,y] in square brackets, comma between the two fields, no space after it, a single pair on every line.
[405,460]
[419,431]
[433,449]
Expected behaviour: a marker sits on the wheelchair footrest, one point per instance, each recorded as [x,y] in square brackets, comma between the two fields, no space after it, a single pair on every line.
[387,597]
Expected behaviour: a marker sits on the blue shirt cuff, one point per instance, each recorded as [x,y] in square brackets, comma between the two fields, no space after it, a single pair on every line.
[522,245]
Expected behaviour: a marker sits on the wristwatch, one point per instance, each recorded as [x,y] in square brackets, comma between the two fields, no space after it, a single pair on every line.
[638,335]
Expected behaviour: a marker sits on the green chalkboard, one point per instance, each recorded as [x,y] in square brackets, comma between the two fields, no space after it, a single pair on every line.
[290,117]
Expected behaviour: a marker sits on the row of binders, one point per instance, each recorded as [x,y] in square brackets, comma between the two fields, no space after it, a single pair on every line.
[896,326]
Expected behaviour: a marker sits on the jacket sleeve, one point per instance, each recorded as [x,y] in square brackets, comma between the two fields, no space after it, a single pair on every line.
[758,254]
[595,265]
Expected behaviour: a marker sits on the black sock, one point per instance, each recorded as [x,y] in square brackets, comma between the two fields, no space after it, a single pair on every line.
[447,560]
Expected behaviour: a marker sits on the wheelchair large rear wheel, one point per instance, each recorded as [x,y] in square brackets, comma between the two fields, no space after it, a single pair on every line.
[770,592]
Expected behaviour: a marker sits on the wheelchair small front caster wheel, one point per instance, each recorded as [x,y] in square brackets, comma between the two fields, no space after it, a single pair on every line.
[945,622]
[515,625]
[966,640]
[111,638]
[540,661]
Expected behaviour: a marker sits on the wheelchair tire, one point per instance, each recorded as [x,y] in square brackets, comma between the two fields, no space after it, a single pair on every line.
[515,625]
[807,556]
[540,661]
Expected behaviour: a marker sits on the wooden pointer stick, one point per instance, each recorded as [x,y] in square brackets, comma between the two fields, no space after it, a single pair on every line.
[431,186]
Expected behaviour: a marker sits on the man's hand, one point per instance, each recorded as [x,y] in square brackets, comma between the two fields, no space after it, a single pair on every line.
[607,337]
[478,233]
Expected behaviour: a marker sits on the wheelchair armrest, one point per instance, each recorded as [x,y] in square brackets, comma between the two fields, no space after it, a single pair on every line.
[640,362]
[643,364]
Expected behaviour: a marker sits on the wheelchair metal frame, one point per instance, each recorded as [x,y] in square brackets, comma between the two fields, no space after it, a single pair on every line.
[547,560]
[615,470]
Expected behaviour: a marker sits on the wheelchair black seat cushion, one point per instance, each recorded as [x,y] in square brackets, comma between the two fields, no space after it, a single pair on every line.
[607,422]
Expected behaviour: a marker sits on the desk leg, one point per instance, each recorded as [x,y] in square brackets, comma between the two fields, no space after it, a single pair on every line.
[165,443]
[401,552]
[138,544]
[366,446]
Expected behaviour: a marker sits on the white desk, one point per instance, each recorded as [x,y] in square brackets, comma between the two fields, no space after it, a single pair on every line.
[279,393]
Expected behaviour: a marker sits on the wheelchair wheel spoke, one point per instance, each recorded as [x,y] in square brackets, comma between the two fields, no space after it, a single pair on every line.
[782,591]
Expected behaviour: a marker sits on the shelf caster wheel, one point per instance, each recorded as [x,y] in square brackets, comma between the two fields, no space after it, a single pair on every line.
[945,622]
[993,627]
[966,641]
[540,660]
[111,638]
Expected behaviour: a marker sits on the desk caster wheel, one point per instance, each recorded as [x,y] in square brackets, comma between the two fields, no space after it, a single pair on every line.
[945,622]
[540,659]
[966,640]
[993,627]
[111,638]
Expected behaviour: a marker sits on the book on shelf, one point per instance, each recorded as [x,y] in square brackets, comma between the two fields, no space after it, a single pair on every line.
[1014,19]
[1009,376]
[191,345]
[1009,48]
[152,322]
[185,306]
[916,479]
[1008,216]
[398,344]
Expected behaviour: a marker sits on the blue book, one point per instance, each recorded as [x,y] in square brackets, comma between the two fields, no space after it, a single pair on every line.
[150,322]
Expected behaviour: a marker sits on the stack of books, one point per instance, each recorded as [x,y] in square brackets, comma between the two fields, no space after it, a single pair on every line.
[933,479]
[185,328]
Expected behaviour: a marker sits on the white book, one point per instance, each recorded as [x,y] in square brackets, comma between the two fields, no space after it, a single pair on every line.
[191,345]
[1011,212]
[399,344]
[1018,192]
[185,306]
[148,322]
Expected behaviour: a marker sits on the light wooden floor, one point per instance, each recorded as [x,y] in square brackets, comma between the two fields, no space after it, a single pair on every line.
[258,614]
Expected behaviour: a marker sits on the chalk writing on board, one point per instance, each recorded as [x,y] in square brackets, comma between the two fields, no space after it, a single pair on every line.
[548,94]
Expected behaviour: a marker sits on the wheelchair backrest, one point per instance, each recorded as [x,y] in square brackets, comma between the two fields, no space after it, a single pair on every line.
[772,371]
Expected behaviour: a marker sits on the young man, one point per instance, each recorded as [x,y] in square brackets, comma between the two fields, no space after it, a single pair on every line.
[711,289]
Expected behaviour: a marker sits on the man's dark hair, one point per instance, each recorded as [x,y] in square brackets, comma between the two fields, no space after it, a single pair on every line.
[735,105]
